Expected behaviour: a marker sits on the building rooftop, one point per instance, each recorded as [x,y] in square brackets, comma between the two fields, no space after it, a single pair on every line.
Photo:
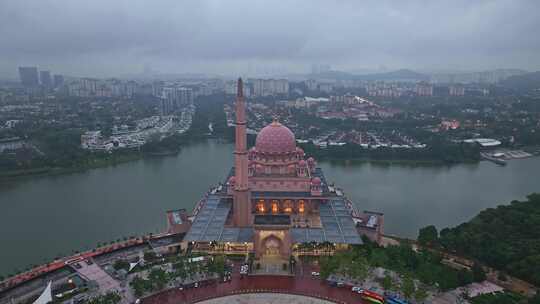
[336,221]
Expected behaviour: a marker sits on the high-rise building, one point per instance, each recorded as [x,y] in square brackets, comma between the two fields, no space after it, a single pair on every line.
[168,99]
[270,87]
[424,89]
[165,106]
[58,81]
[456,90]
[177,97]
[45,79]
[29,76]
[184,97]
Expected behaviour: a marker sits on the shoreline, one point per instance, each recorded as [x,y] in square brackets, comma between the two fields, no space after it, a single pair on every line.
[16,175]
[21,174]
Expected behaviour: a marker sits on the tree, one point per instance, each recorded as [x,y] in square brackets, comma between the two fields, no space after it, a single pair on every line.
[109,298]
[217,265]
[150,256]
[158,278]
[428,236]
[387,283]
[420,295]
[407,287]
[478,272]
[121,264]
[140,286]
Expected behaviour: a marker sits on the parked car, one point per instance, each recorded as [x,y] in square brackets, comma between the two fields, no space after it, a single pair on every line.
[315,274]
[357,289]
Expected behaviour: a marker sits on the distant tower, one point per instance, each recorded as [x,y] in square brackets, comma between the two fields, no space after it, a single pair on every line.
[29,76]
[241,197]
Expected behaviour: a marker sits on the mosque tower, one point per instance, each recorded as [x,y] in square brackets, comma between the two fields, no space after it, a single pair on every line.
[241,197]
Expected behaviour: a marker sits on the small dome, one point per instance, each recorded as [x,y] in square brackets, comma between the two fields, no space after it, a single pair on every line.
[275,138]
[302,163]
[310,160]
[316,181]
[232,179]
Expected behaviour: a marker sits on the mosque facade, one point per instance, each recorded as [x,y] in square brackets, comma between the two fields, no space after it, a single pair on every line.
[275,200]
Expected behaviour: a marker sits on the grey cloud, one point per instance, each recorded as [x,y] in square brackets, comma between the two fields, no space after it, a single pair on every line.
[111,37]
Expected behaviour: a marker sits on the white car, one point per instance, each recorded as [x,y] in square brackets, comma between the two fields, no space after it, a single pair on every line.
[357,289]
[315,274]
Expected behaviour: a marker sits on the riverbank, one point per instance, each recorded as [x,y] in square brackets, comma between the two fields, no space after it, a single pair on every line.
[55,171]
[12,175]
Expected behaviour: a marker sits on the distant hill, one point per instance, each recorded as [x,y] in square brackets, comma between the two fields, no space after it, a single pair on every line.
[525,82]
[398,75]
[402,74]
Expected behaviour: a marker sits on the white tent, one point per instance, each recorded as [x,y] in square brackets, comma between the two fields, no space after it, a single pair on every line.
[45,296]
[132,265]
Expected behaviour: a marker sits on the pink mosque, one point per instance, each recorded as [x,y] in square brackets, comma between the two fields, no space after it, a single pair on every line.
[274,200]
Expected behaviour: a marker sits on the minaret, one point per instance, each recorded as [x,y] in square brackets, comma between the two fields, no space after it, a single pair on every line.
[241,198]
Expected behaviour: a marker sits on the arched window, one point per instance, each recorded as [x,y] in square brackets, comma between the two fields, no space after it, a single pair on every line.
[288,206]
[301,206]
[275,206]
[260,206]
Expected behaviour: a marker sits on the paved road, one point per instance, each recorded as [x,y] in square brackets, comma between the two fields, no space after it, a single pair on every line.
[257,284]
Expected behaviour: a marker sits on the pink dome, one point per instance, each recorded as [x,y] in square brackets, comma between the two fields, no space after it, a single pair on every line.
[316,181]
[302,163]
[275,138]
[232,179]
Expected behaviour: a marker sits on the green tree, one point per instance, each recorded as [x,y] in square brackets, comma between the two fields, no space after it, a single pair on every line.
[150,256]
[121,264]
[158,278]
[420,295]
[428,236]
[478,272]
[387,283]
[109,298]
[140,286]
[407,287]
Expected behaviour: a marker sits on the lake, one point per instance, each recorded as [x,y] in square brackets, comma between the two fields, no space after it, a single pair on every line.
[44,217]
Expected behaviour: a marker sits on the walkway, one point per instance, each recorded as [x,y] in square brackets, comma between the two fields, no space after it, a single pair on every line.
[257,284]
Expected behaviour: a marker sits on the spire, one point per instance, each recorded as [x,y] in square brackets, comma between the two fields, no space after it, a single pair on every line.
[241,145]
[241,195]
[240,88]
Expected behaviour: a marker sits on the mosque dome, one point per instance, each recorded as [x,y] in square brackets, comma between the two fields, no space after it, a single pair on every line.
[275,139]
[316,181]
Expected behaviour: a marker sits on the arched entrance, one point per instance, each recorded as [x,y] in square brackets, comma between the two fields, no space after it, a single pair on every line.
[272,246]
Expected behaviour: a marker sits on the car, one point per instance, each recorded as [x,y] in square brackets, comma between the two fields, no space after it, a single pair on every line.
[340,284]
[315,274]
[357,289]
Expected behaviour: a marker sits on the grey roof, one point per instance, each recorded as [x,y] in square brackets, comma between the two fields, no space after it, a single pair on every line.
[209,224]
[337,226]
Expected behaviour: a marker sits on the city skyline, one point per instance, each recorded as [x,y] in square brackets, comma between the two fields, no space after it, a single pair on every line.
[257,38]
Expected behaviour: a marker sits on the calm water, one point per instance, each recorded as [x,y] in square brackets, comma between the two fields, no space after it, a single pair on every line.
[41,218]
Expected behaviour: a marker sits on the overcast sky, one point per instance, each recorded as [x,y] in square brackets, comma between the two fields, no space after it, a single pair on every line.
[111,38]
